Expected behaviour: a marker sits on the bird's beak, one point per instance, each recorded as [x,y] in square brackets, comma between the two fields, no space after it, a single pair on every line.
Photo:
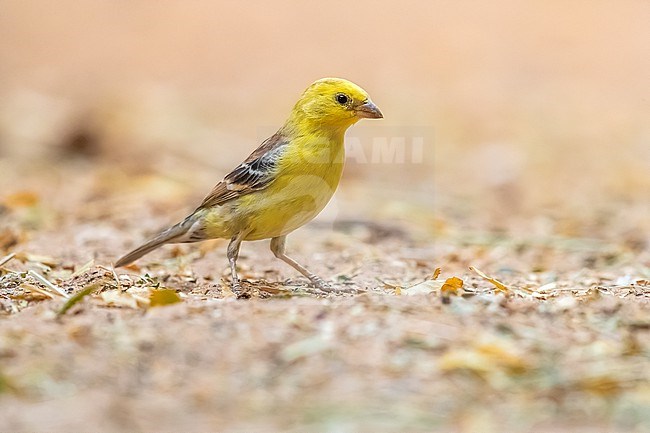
[368,110]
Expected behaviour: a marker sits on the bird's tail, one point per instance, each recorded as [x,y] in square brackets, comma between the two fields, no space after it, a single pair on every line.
[176,233]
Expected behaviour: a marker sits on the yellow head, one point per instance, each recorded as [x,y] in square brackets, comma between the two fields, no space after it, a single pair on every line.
[334,102]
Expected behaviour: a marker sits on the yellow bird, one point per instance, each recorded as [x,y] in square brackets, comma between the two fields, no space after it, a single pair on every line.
[283,184]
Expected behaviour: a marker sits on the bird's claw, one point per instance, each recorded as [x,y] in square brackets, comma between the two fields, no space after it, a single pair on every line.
[319,283]
[235,287]
[326,287]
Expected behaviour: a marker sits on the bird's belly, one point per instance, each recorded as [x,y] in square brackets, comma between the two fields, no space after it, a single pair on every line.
[299,192]
[288,203]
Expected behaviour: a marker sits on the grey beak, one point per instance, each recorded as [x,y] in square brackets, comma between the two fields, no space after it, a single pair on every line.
[369,110]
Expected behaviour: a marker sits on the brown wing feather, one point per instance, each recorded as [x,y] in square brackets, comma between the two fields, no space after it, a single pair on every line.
[255,173]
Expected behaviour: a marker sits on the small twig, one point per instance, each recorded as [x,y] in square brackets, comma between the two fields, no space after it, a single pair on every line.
[37,289]
[7,258]
[47,284]
[389,285]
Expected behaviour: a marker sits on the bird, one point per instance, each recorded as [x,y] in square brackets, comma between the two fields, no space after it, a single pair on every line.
[281,185]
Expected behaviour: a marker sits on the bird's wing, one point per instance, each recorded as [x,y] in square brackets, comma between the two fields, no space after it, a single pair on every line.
[255,173]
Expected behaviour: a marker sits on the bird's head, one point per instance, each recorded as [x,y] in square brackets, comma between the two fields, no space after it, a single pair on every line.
[335,102]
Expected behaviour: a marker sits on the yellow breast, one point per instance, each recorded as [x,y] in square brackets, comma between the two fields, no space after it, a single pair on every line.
[308,174]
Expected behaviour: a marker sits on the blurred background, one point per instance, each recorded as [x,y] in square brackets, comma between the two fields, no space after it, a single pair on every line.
[533,116]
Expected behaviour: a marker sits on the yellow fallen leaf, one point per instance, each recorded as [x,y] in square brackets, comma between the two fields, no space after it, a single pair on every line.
[465,359]
[485,358]
[161,297]
[507,356]
[451,286]
[498,284]
[603,385]
[21,199]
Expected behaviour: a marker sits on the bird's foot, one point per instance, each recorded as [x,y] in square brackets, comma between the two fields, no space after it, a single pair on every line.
[326,287]
[235,287]
[319,283]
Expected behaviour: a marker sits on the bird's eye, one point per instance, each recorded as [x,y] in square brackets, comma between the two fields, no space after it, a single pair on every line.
[342,99]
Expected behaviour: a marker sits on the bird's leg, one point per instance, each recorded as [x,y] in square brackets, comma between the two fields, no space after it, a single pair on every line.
[277,247]
[233,253]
